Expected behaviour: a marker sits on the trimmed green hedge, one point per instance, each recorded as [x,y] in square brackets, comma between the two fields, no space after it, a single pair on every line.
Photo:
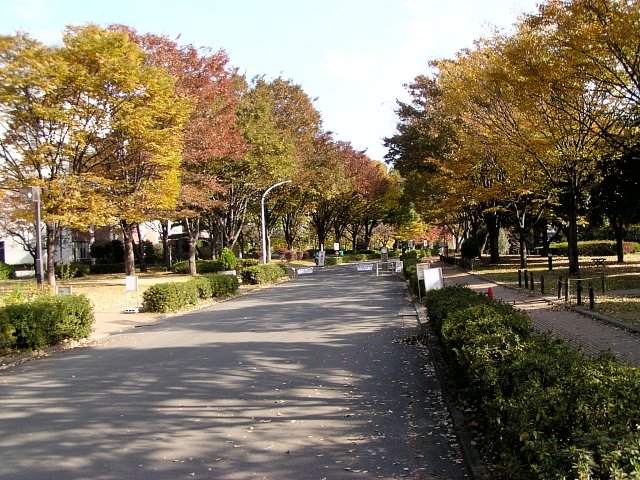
[173,296]
[331,261]
[45,321]
[222,285]
[202,266]
[248,262]
[594,247]
[104,268]
[261,274]
[544,410]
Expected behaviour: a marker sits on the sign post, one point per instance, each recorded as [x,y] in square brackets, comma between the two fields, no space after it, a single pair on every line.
[131,285]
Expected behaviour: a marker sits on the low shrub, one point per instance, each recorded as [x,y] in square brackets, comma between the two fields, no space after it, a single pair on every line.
[171,296]
[174,296]
[441,302]
[248,262]
[222,285]
[410,254]
[202,266]
[45,321]
[227,260]
[331,261]
[105,268]
[72,270]
[6,271]
[544,410]
[289,255]
[203,285]
[261,274]
[470,248]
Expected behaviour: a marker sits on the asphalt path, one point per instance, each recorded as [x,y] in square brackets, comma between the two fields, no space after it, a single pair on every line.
[310,379]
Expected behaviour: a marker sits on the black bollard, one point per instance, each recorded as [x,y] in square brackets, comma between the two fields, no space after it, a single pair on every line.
[592,302]
[519,278]
[542,285]
[532,282]
[550,258]
[578,292]
[566,290]
[526,279]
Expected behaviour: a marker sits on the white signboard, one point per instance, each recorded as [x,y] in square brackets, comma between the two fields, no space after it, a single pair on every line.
[365,267]
[433,278]
[336,246]
[321,257]
[421,267]
[131,283]
[304,270]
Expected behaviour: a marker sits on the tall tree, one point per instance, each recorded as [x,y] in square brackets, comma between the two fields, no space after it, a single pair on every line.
[204,79]
[140,149]
[60,107]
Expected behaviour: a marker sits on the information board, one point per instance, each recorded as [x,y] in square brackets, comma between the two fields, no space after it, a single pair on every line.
[433,279]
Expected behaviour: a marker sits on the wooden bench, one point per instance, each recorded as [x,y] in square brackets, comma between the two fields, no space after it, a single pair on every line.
[598,262]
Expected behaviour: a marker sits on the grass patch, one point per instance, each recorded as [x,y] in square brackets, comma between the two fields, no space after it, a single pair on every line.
[621,297]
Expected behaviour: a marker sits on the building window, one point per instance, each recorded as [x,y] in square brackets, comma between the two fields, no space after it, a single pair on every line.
[80,251]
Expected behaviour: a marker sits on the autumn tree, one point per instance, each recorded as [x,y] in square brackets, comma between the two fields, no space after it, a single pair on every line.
[141,148]
[600,37]
[299,122]
[267,159]
[205,80]
[62,107]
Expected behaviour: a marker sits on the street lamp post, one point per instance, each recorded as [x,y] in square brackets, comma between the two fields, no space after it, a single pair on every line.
[262,222]
[33,194]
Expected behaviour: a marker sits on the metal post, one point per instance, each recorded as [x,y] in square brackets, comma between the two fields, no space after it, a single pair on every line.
[526,279]
[566,290]
[519,278]
[591,296]
[532,282]
[262,222]
[39,276]
[550,258]
[32,194]
[579,292]
[542,285]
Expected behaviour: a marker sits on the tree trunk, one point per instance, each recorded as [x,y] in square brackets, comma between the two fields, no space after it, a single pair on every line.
[143,266]
[618,230]
[166,245]
[369,227]
[288,229]
[193,241]
[129,257]
[192,226]
[572,234]
[492,222]
[53,233]
[522,246]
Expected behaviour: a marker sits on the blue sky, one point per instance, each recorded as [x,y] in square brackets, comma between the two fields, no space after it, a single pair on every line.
[354,56]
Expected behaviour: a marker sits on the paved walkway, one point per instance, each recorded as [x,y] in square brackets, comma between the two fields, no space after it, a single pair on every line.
[579,329]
